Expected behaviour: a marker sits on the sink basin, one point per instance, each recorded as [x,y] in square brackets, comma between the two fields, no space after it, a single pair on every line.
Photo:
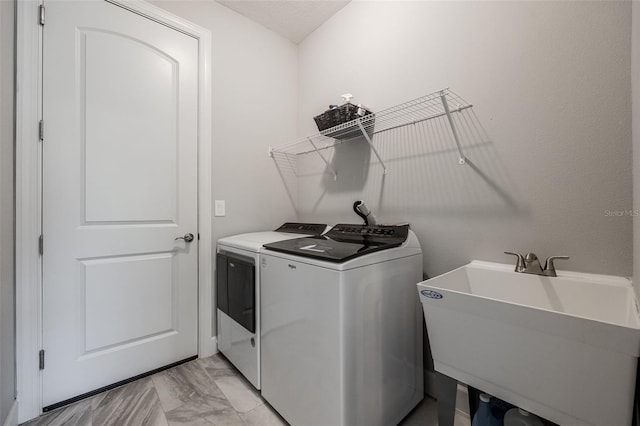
[565,348]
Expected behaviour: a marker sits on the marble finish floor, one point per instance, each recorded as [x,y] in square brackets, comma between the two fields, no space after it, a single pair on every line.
[203,392]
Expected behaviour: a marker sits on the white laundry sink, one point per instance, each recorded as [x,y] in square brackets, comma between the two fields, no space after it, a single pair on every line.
[565,348]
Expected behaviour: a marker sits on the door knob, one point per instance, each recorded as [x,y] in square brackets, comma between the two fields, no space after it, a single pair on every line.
[188,237]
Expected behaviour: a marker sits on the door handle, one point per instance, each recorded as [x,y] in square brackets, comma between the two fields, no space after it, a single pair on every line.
[188,237]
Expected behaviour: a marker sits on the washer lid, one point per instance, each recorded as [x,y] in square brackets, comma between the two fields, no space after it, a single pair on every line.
[254,241]
[344,242]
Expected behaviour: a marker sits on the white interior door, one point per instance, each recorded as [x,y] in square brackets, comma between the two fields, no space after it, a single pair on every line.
[120,96]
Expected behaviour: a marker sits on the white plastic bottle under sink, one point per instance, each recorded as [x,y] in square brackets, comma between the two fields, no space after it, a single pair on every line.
[519,417]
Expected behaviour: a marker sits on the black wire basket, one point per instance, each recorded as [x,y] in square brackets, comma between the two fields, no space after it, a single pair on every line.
[342,114]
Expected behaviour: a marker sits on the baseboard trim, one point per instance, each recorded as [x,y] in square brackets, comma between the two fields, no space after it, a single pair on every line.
[12,417]
[209,347]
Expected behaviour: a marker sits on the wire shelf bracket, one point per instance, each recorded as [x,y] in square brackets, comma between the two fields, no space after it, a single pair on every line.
[333,172]
[370,142]
[462,160]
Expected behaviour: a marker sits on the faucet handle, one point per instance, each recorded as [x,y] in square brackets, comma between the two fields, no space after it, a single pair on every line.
[550,268]
[520,262]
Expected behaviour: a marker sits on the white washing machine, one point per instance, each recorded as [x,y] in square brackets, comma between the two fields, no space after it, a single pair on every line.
[238,293]
[342,326]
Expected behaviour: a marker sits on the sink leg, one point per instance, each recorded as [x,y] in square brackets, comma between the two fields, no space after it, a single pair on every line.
[474,397]
[446,390]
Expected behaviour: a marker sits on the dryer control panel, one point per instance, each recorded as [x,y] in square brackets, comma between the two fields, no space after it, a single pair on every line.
[302,228]
[374,233]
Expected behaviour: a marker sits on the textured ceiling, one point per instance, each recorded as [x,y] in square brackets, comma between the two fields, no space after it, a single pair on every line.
[293,19]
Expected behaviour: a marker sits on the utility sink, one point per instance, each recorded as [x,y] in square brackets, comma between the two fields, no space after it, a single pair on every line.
[565,348]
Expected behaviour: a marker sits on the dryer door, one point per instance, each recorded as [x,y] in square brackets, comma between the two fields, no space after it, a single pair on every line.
[236,295]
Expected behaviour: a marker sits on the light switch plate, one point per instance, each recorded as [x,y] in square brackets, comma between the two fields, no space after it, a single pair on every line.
[220,208]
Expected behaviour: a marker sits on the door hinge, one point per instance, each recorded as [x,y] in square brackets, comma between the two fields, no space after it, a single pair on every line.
[41,14]
[41,358]
[198,236]
[41,130]
[41,245]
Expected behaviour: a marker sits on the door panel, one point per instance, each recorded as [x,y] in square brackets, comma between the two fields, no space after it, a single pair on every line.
[111,320]
[119,185]
[128,83]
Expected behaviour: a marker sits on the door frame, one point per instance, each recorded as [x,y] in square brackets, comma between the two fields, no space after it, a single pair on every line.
[29,192]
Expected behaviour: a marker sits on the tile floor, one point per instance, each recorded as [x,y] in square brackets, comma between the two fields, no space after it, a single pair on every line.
[204,392]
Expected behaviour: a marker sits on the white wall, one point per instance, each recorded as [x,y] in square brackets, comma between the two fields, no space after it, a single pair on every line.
[635,100]
[550,84]
[254,106]
[7,278]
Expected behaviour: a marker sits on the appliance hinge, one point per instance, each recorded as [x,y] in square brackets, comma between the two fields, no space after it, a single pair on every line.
[41,245]
[41,130]
[41,14]
[41,358]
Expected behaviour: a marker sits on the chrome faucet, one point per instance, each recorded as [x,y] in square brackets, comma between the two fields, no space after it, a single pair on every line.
[530,264]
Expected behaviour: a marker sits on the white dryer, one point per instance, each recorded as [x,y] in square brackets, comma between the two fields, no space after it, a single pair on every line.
[238,293]
[342,326]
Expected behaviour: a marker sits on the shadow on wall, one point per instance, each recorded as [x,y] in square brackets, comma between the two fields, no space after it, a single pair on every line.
[351,160]
[286,163]
[423,174]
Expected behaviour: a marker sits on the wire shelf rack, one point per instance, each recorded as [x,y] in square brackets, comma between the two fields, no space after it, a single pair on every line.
[437,104]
